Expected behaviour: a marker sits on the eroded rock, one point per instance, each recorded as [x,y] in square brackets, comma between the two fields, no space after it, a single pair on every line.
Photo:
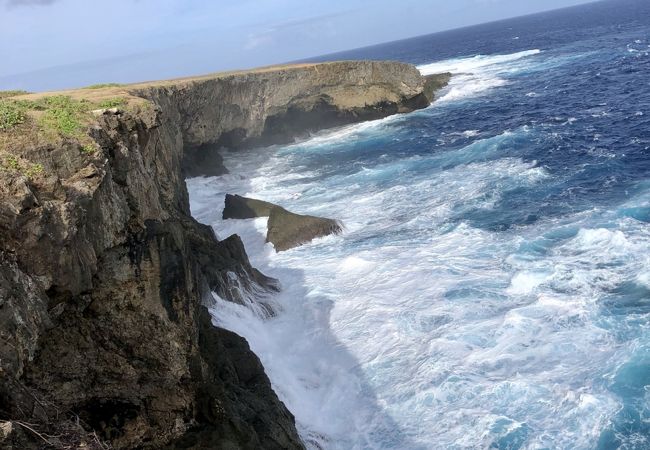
[287,230]
[104,274]
[102,294]
[238,207]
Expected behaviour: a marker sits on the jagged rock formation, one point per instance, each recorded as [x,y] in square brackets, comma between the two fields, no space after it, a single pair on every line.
[238,207]
[285,230]
[104,275]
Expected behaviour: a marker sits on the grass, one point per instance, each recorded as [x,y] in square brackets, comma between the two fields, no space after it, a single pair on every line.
[11,162]
[39,120]
[44,120]
[6,94]
[116,102]
[88,149]
[33,170]
[103,85]
[14,164]
[58,113]
[64,115]
[12,114]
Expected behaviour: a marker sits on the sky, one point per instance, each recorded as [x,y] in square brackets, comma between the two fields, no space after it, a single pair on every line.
[53,44]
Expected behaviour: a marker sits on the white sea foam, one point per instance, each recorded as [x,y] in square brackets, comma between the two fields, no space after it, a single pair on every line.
[644,278]
[406,325]
[471,133]
[474,63]
[526,282]
[477,74]
[413,329]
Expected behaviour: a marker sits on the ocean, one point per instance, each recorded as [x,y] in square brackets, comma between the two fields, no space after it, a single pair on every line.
[491,289]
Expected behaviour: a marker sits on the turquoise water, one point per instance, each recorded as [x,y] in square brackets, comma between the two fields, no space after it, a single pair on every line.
[492,285]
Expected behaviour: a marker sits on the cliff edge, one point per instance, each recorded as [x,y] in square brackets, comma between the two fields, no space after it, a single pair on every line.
[105,277]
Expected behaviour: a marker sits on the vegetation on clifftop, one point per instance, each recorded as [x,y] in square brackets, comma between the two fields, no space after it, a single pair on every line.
[102,85]
[62,114]
[12,114]
[49,119]
[5,94]
[59,113]
[116,102]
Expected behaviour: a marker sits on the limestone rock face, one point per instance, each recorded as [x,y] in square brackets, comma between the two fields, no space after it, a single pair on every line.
[287,230]
[276,105]
[205,160]
[103,280]
[238,207]
[105,276]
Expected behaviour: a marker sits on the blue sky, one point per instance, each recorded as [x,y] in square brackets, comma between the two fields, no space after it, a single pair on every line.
[46,44]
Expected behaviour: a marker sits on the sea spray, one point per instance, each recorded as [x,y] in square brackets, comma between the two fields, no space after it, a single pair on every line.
[491,287]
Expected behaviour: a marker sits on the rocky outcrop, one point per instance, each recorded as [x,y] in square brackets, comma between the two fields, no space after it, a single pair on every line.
[286,230]
[104,279]
[433,83]
[105,276]
[238,207]
[276,105]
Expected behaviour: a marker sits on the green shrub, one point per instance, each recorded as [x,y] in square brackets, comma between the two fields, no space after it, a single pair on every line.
[11,114]
[88,149]
[12,162]
[60,114]
[63,114]
[28,169]
[102,85]
[5,94]
[33,170]
[113,103]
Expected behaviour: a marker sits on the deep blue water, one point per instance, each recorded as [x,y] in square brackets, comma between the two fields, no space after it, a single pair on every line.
[609,42]
[492,288]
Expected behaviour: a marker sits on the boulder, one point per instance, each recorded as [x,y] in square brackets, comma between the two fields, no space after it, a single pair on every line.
[286,230]
[238,207]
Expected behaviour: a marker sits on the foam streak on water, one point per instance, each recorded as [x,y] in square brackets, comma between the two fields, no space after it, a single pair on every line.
[491,289]
[475,74]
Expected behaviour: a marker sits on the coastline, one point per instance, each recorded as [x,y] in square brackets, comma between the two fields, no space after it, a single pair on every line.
[108,272]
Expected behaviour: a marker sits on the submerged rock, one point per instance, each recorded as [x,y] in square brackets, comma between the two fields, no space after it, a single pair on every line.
[238,207]
[287,230]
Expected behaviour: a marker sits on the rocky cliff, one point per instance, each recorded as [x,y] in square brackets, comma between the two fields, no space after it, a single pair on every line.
[105,277]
